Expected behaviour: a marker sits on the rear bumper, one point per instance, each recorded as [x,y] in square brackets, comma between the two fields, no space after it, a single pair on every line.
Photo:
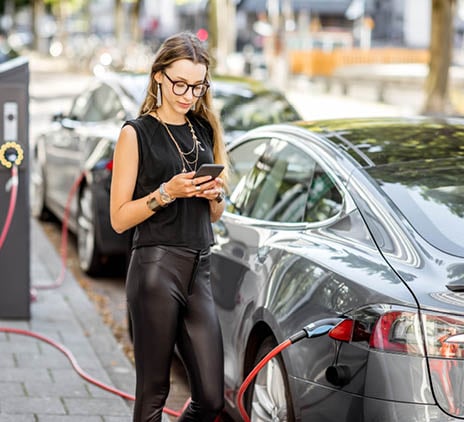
[322,404]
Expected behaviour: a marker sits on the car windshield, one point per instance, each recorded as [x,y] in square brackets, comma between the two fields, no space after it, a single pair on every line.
[135,86]
[430,194]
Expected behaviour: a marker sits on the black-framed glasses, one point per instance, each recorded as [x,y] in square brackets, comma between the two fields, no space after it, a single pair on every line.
[181,87]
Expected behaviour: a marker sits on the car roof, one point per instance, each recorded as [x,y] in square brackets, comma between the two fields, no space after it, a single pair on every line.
[134,84]
[239,85]
[381,141]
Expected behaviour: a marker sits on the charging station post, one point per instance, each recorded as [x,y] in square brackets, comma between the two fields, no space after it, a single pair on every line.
[14,141]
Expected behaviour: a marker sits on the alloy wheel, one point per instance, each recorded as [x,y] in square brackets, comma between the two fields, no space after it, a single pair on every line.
[86,241]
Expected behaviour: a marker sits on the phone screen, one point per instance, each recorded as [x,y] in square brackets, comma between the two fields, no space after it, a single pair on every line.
[213,170]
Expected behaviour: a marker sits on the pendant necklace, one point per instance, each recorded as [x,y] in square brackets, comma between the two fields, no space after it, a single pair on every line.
[192,165]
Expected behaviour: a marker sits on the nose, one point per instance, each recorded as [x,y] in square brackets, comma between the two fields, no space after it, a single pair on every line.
[189,94]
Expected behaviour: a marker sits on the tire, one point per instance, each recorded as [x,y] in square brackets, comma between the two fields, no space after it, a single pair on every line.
[269,398]
[38,191]
[90,258]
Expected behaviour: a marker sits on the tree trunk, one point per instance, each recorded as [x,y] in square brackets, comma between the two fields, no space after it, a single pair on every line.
[213,31]
[37,14]
[222,32]
[118,21]
[135,21]
[441,45]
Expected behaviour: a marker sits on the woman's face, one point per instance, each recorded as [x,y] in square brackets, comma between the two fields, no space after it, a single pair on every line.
[174,80]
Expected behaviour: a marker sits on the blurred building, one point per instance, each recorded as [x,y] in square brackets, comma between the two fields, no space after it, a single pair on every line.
[390,22]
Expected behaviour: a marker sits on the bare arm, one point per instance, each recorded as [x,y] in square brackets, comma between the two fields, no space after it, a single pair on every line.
[125,212]
[217,208]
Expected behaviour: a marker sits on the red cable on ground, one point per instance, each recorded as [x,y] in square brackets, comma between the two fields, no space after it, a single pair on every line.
[76,366]
[12,205]
[253,374]
[58,283]
[64,238]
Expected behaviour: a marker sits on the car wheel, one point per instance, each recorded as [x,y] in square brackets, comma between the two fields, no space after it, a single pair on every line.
[87,248]
[269,398]
[37,191]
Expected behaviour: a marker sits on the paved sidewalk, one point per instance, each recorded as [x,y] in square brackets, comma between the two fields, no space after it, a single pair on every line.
[37,382]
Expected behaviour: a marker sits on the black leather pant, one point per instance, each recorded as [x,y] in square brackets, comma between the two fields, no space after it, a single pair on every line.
[170,302]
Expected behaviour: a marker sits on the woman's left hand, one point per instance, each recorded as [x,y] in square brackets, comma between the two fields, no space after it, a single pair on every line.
[210,190]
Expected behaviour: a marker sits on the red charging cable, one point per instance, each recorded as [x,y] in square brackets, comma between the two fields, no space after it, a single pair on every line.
[64,238]
[312,330]
[241,391]
[13,184]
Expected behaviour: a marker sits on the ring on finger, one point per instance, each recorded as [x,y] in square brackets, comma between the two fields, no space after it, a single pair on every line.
[197,188]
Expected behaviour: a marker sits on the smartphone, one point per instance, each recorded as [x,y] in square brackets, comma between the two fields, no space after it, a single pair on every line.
[213,170]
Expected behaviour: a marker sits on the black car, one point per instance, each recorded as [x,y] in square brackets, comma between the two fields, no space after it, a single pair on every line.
[244,104]
[359,219]
[75,153]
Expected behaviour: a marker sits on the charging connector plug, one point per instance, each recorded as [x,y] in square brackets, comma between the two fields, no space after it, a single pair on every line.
[316,329]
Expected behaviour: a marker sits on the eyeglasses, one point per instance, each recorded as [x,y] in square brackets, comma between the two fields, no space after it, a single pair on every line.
[181,87]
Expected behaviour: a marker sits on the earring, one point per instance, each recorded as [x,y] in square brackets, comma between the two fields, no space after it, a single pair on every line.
[159,100]
[193,107]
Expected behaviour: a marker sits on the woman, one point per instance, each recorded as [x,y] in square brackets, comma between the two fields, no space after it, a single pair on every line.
[154,190]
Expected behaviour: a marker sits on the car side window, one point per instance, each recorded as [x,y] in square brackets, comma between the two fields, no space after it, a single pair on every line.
[80,106]
[324,199]
[242,159]
[276,187]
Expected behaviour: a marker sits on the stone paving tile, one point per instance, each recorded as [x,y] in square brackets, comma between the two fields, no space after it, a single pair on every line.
[17,418]
[44,405]
[54,389]
[7,360]
[11,389]
[15,374]
[110,407]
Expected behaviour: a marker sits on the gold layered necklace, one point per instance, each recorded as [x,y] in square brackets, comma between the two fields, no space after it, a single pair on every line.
[191,164]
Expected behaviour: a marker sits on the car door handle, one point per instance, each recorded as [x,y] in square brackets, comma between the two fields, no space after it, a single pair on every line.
[263,252]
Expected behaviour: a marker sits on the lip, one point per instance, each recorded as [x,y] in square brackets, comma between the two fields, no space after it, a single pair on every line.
[185,105]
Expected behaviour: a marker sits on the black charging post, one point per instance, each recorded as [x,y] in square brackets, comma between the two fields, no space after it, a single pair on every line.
[14,149]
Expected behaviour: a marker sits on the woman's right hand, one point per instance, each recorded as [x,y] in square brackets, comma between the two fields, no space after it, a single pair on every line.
[184,185]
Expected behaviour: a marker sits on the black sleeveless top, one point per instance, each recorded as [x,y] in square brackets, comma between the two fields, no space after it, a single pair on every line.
[186,221]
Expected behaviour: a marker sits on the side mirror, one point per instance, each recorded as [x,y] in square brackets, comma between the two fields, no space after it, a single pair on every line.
[58,117]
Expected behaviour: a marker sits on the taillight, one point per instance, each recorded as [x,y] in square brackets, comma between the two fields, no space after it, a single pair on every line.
[398,331]
[444,335]
[104,164]
[444,342]
[394,329]
[109,165]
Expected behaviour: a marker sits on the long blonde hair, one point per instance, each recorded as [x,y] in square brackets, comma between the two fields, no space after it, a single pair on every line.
[186,45]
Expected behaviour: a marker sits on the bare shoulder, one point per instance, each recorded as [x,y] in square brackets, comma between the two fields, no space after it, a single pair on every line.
[128,131]
[127,136]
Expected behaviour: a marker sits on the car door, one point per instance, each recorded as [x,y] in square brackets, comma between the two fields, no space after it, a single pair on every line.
[271,180]
[76,138]
[62,154]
